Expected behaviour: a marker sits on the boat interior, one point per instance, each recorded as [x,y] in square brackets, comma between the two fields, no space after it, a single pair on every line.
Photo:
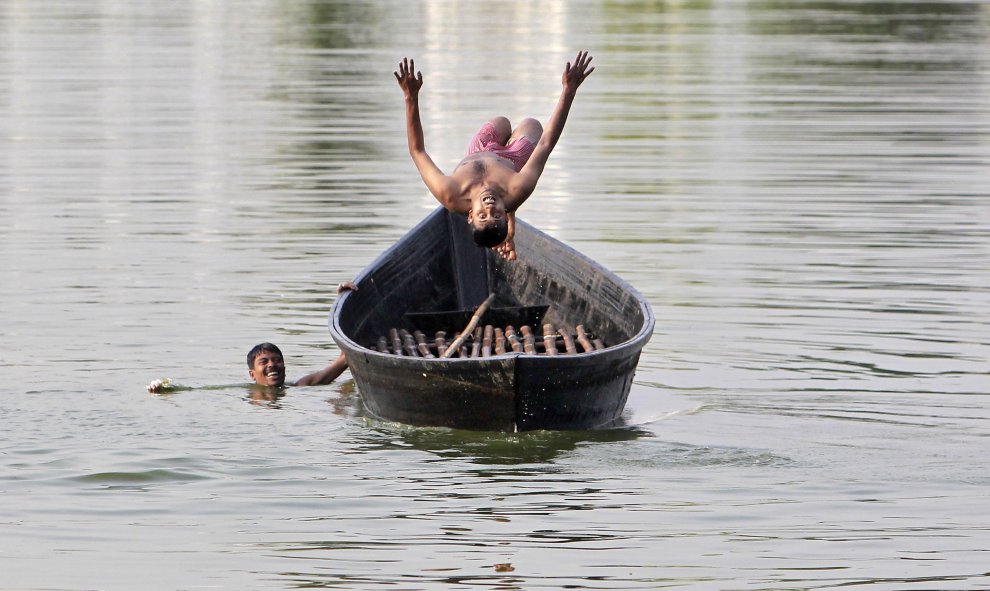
[433,279]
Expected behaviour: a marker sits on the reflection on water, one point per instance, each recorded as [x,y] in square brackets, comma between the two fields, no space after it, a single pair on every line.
[799,188]
[501,448]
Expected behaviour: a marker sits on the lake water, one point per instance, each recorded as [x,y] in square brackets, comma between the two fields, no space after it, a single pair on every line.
[800,189]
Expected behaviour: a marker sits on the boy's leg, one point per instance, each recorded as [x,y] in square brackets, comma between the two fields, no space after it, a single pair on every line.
[529,128]
[495,130]
[502,129]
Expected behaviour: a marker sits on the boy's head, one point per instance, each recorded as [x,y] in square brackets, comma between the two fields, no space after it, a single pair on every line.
[488,218]
[490,235]
[266,366]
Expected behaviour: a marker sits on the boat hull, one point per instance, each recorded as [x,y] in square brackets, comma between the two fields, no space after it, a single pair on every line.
[437,268]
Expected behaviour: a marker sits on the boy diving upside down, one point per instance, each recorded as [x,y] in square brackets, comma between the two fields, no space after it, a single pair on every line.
[502,165]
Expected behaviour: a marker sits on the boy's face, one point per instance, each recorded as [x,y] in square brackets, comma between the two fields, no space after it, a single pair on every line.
[268,370]
[486,207]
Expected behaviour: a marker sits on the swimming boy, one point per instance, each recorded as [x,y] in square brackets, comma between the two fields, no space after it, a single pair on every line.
[266,365]
[502,165]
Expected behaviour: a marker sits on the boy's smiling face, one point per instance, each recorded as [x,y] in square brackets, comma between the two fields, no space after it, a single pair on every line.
[487,206]
[268,370]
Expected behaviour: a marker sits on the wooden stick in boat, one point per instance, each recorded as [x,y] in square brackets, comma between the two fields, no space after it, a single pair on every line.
[568,341]
[499,341]
[510,335]
[382,345]
[441,343]
[598,343]
[408,344]
[529,341]
[582,338]
[476,343]
[421,345]
[456,353]
[549,342]
[486,341]
[470,327]
[396,341]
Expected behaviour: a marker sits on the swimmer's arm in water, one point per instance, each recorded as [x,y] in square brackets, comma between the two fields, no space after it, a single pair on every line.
[325,375]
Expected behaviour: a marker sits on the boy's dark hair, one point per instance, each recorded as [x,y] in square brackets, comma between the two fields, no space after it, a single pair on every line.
[491,234]
[259,349]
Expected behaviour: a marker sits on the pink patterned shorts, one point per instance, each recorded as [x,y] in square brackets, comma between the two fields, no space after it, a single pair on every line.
[486,140]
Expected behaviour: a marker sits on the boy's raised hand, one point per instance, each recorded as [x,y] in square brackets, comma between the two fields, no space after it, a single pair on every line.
[574,76]
[409,83]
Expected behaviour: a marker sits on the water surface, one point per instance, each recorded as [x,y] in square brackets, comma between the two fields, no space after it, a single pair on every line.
[799,189]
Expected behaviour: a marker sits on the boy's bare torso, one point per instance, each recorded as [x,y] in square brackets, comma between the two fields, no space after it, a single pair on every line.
[479,171]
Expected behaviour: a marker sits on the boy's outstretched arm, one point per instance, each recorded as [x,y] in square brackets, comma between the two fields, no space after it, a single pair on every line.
[438,183]
[325,375]
[526,180]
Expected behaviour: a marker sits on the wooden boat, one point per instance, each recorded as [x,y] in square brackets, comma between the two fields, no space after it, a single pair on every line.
[435,277]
